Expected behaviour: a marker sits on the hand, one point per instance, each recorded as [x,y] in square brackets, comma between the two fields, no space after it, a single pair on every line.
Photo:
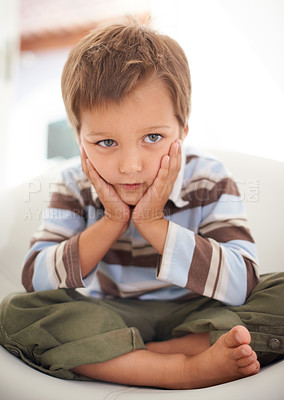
[115,209]
[151,206]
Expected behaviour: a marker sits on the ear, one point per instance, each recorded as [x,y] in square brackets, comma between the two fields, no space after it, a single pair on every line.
[184,132]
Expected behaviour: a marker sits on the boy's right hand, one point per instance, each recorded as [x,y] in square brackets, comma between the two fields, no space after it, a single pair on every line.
[115,209]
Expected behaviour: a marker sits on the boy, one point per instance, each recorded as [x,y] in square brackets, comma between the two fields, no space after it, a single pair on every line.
[155,232]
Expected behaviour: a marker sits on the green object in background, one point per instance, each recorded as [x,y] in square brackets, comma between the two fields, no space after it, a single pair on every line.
[61,140]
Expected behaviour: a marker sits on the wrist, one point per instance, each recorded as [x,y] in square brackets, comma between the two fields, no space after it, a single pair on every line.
[146,216]
[155,232]
[117,224]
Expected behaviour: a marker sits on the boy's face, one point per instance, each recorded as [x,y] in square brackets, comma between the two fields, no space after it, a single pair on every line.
[125,142]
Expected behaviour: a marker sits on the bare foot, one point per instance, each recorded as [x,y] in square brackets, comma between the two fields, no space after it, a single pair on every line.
[230,358]
[190,345]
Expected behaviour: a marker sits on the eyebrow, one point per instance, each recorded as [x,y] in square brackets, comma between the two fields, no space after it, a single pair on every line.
[150,128]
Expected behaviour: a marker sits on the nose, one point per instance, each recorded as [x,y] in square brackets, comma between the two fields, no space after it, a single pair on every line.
[130,161]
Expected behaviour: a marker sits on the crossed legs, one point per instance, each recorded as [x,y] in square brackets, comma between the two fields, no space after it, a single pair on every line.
[184,363]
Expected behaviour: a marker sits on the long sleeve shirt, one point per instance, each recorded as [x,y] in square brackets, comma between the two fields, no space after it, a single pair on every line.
[209,250]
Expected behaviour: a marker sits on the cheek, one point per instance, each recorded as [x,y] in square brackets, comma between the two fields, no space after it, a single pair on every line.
[151,168]
[101,163]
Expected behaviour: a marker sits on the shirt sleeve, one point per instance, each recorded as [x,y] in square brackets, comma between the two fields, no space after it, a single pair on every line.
[219,260]
[53,259]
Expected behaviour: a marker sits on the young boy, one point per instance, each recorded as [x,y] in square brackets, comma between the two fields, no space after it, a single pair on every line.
[157,234]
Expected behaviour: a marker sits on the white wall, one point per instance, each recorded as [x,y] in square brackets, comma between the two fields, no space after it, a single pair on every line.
[235,52]
[8,54]
[236,57]
[37,100]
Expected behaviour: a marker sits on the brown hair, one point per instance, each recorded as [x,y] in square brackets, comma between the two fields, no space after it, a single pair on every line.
[109,63]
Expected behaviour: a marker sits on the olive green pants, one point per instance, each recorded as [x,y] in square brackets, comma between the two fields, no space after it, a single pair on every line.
[57,330]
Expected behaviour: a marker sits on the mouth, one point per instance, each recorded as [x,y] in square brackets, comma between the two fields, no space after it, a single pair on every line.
[131,186]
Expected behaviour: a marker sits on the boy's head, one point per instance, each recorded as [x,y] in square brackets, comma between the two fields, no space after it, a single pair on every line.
[111,62]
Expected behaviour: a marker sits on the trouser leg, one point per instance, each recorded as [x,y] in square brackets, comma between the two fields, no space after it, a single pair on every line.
[262,315]
[55,331]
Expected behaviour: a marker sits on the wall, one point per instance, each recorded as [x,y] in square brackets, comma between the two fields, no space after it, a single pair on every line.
[8,54]
[236,57]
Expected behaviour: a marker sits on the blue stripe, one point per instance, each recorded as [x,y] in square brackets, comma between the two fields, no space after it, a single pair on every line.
[228,204]
[70,221]
[237,282]
[243,244]
[40,278]
[181,257]
[189,219]
[38,246]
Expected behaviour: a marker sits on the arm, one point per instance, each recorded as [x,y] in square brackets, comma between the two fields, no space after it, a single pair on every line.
[224,271]
[64,251]
[108,229]
[218,259]
[148,215]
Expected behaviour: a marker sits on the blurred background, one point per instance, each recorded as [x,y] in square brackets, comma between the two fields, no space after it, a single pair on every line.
[235,53]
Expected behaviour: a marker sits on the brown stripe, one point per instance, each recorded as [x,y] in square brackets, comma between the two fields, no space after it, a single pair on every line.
[200,265]
[107,285]
[189,296]
[55,267]
[252,279]
[47,239]
[86,195]
[202,197]
[28,271]
[218,272]
[127,259]
[229,233]
[33,241]
[64,202]
[71,262]
[229,221]
[127,246]
[190,157]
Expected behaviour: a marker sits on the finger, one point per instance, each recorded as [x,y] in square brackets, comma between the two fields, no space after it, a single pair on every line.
[83,160]
[160,184]
[104,190]
[175,159]
[164,169]
[95,178]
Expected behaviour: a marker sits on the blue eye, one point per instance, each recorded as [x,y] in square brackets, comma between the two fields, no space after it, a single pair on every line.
[106,143]
[153,138]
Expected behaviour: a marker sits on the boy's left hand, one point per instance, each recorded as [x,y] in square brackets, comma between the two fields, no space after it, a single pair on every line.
[150,208]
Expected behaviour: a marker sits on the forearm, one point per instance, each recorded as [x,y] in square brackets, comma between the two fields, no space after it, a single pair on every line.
[155,232]
[222,271]
[96,240]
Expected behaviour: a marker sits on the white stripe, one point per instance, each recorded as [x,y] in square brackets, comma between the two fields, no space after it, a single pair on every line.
[168,252]
[60,265]
[222,217]
[213,270]
[224,224]
[52,277]
[223,279]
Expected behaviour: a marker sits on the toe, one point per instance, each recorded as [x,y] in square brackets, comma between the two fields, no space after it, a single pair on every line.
[245,361]
[236,336]
[242,351]
[250,369]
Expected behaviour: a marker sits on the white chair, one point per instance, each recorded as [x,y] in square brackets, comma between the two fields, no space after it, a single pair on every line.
[261,182]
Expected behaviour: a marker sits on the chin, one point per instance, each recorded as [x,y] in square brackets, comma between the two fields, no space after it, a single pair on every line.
[130,202]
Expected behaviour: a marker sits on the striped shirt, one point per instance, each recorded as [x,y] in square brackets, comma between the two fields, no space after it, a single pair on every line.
[209,250]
